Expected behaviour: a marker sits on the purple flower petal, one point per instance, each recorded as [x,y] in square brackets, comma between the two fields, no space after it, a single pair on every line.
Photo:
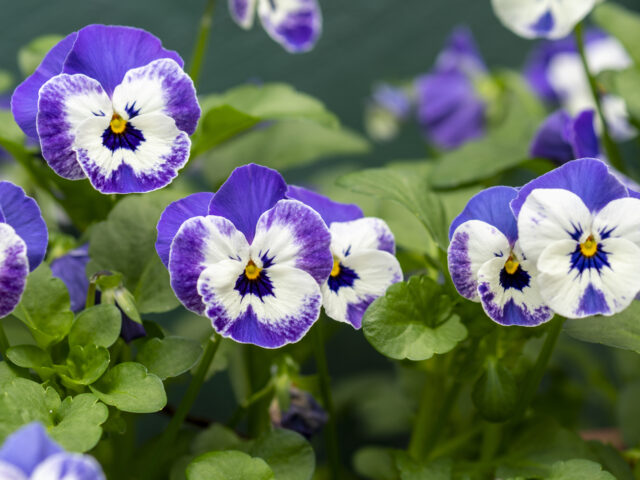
[66,102]
[23,214]
[24,102]
[71,269]
[449,111]
[243,12]
[329,210]
[249,191]
[28,447]
[131,330]
[583,137]
[460,54]
[159,87]
[491,206]
[106,53]
[294,235]
[176,213]
[14,268]
[588,178]
[294,24]
[67,466]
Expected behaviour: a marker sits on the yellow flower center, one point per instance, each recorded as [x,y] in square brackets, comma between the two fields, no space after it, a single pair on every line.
[252,271]
[117,124]
[511,265]
[335,271]
[589,247]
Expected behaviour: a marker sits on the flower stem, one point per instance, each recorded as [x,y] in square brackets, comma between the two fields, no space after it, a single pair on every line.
[192,391]
[201,43]
[611,149]
[325,390]
[539,369]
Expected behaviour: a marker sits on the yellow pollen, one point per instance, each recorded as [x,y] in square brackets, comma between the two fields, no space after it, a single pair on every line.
[251,271]
[511,265]
[335,271]
[589,247]
[118,124]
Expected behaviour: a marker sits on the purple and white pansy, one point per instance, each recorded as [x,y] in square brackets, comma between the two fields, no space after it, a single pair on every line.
[488,265]
[23,243]
[581,228]
[109,103]
[29,454]
[555,72]
[248,258]
[364,264]
[294,24]
[541,18]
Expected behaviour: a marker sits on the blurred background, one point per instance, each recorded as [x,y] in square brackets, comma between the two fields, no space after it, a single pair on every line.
[364,41]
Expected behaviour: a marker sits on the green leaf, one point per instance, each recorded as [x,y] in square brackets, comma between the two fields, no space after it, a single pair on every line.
[229,465]
[30,56]
[99,325]
[216,437]
[495,393]
[410,188]
[622,23]
[282,145]
[375,463]
[621,330]
[130,388]
[29,356]
[125,243]
[626,85]
[504,147]
[169,356]
[413,320]
[86,364]
[218,124]
[7,374]
[411,469]
[578,469]
[78,422]
[45,307]
[288,454]
[6,80]
[23,401]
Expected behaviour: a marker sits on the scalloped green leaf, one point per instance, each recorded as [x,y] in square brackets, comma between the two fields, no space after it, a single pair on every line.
[229,465]
[78,422]
[169,356]
[413,320]
[98,325]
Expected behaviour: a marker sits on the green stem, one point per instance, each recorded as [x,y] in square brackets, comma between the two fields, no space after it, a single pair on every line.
[244,406]
[201,43]
[327,399]
[191,394]
[4,341]
[442,419]
[613,153]
[422,422]
[448,447]
[539,369]
[91,295]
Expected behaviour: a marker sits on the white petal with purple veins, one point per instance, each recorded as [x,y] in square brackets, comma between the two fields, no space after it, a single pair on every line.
[68,466]
[294,24]
[361,234]
[14,268]
[472,245]
[620,219]
[10,472]
[65,102]
[549,215]
[243,12]
[361,278]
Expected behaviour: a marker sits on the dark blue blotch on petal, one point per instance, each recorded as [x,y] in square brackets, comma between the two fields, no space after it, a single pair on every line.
[28,447]
[176,213]
[130,139]
[517,280]
[589,178]
[24,102]
[106,53]
[491,206]
[544,24]
[260,287]
[23,214]
[592,302]
[329,210]
[248,193]
[346,277]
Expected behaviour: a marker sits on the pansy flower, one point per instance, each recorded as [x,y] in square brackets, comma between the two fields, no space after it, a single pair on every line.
[110,104]
[71,269]
[488,265]
[450,111]
[562,138]
[294,24]
[29,454]
[363,249]
[542,18]
[581,229]
[23,243]
[248,258]
[555,72]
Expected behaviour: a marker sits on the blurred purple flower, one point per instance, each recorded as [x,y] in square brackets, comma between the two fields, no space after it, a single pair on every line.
[304,415]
